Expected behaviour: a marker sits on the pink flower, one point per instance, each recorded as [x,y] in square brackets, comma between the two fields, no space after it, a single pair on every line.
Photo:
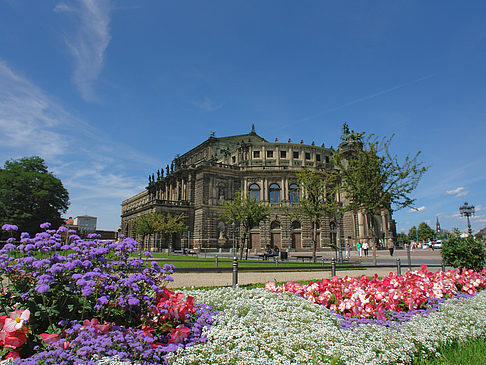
[50,338]
[179,334]
[16,320]
[13,355]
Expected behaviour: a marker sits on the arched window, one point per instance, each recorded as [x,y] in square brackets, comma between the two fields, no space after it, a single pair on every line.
[255,192]
[296,225]
[293,193]
[274,193]
[275,225]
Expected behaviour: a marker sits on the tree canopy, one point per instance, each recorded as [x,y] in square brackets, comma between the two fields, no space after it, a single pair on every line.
[246,211]
[30,195]
[320,190]
[374,180]
[154,222]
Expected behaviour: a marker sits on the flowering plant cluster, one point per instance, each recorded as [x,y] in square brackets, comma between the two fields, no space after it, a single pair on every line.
[375,298]
[77,289]
[257,326]
[13,332]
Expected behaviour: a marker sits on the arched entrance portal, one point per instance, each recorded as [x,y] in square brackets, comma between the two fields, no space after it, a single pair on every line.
[296,235]
[275,235]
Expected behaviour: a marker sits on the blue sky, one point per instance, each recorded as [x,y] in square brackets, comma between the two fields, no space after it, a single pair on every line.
[109,91]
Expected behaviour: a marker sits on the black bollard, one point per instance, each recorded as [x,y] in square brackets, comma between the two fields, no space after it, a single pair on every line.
[235,272]
[443,266]
[333,267]
[399,267]
[216,261]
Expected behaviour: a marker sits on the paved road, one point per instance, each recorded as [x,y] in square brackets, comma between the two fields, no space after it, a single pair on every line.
[383,258]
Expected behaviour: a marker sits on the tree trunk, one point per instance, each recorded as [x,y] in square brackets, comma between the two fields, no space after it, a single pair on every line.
[245,239]
[314,242]
[371,228]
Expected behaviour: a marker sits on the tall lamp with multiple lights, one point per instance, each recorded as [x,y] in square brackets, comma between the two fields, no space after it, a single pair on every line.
[467,210]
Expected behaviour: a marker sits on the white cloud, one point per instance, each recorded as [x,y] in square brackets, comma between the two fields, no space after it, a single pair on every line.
[418,209]
[89,41]
[207,105]
[458,192]
[88,162]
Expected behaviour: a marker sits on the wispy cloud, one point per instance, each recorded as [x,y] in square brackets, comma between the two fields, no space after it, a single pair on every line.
[207,105]
[367,97]
[458,192]
[418,209]
[88,161]
[29,122]
[88,41]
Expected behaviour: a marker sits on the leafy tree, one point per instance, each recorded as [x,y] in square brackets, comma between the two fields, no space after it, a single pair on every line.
[319,199]
[30,195]
[403,237]
[374,180]
[169,224]
[425,232]
[463,252]
[155,222]
[412,234]
[146,225]
[246,211]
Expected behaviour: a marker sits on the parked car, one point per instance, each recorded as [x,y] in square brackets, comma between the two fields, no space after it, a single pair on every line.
[437,244]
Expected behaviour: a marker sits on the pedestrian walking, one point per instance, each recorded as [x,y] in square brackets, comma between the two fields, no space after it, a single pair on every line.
[348,250]
[365,247]
[391,246]
[359,248]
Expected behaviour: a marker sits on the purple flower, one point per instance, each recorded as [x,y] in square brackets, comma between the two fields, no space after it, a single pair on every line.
[45,225]
[42,288]
[133,301]
[10,227]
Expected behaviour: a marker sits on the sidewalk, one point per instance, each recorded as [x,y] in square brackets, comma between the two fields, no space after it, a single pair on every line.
[188,280]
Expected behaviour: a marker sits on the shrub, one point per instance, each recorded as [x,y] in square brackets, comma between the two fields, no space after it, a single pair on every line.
[57,291]
[463,252]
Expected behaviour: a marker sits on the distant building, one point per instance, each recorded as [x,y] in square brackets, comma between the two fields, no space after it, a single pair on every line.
[197,182]
[85,223]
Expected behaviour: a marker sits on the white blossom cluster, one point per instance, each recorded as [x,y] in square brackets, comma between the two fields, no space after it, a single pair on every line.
[260,327]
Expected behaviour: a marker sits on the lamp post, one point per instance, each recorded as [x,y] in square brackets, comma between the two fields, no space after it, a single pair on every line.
[233,228]
[467,210]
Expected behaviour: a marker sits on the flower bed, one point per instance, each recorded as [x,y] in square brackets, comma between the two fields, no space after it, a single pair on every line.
[72,301]
[388,298]
[262,327]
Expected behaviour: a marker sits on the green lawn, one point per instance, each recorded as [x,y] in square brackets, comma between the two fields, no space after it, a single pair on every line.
[468,353]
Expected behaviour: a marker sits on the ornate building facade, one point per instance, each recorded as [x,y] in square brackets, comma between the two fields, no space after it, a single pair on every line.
[197,183]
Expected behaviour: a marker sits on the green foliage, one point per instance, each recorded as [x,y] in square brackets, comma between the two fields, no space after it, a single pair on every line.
[374,180]
[463,252]
[30,195]
[425,232]
[403,237]
[246,211]
[412,234]
[150,223]
[470,352]
[319,199]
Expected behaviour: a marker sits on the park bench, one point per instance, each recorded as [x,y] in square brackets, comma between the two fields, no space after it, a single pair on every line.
[304,257]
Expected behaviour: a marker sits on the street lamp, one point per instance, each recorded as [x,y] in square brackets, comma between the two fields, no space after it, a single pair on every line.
[233,229]
[467,211]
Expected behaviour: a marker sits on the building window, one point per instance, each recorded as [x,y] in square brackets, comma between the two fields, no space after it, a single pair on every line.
[307,155]
[233,159]
[274,193]
[327,159]
[296,154]
[283,154]
[294,193]
[256,154]
[255,192]
[269,154]
[318,157]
